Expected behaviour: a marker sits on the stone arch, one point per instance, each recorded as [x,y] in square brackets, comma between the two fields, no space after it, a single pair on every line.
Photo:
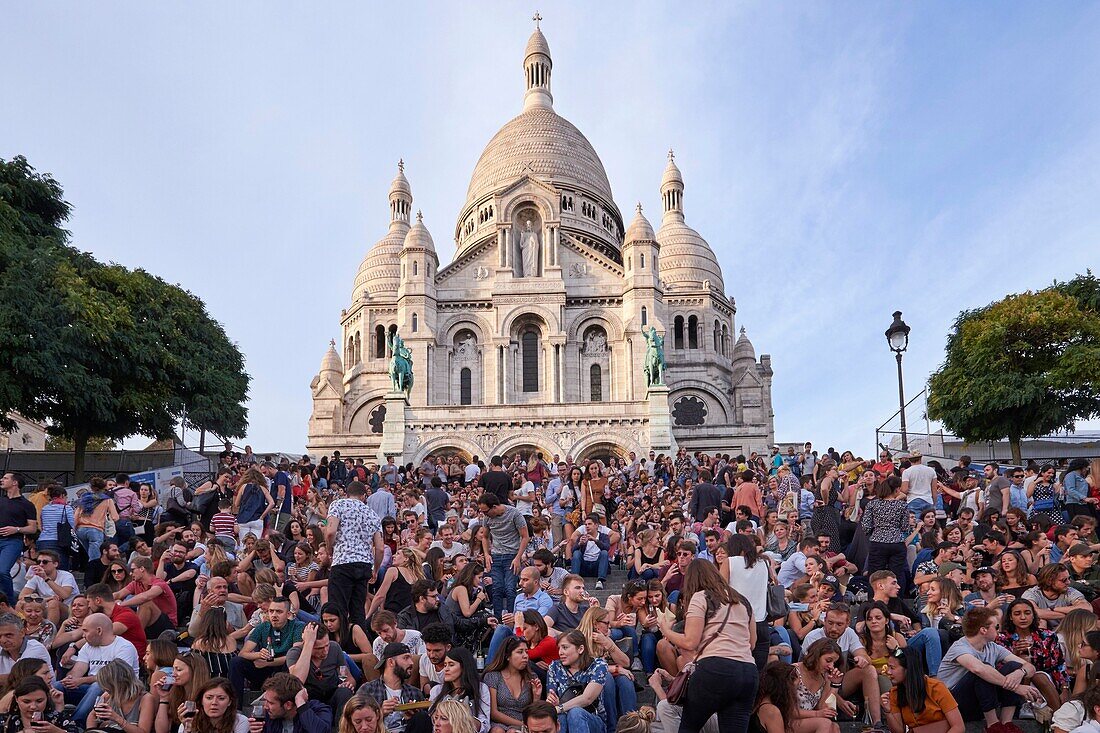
[717,408]
[359,403]
[538,441]
[610,322]
[527,197]
[510,325]
[359,423]
[621,445]
[451,442]
[482,330]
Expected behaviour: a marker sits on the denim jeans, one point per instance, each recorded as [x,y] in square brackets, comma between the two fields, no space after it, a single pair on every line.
[83,697]
[647,649]
[588,568]
[619,698]
[626,632]
[647,574]
[928,641]
[503,589]
[579,720]
[722,687]
[90,539]
[918,506]
[500,634]
[10,550]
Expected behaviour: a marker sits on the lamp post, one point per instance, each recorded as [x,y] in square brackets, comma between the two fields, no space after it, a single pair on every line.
[898,338]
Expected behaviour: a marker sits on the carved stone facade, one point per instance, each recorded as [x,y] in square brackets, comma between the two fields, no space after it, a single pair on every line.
[531,338]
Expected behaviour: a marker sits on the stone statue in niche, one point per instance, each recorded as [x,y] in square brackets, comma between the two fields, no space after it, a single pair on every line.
[595,344]
[466,349]
[529,251]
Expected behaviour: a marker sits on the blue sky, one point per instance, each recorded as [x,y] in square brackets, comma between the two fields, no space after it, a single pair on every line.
[843,160]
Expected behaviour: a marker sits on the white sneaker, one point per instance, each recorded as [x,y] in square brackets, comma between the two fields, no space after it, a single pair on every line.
[599,585]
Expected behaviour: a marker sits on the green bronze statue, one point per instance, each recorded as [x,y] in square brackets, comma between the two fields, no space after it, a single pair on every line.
[401,365]
[654,358]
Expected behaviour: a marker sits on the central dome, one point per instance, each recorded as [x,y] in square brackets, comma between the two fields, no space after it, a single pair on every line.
[548,146]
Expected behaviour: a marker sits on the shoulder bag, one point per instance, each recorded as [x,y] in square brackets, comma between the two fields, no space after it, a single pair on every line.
[677,691]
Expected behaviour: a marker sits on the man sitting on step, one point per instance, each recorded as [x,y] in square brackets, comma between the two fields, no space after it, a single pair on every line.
[588,548]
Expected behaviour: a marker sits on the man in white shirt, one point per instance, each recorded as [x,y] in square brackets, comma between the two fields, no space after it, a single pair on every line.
[917,483]
[384,623]
[14,645]
[472,471]
[102,646]
[794,567]
[524,498]
[437,642]
[446,542]
[861,679]
[47,580]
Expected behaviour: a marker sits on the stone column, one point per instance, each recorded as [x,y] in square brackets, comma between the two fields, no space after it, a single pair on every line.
[393,427]
[503,363]
[660,420]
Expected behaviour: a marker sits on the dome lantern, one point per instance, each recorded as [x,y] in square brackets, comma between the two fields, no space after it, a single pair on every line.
[672,189]
[537,66]
[400,196]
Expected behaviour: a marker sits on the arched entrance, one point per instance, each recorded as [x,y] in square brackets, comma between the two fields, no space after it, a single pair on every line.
[601,451]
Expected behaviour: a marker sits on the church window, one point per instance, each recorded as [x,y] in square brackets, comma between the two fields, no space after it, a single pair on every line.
[717,338]
[414,269]
[529,344]
[379,342]
[358,348]
[465,387]
[678,332]
[725,341]
[645,316]
[415,323]
[643,260]
[693,332]
[349,353]
[596,377]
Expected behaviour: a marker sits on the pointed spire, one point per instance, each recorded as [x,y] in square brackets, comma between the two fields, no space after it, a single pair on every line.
[640,230]
[536,69]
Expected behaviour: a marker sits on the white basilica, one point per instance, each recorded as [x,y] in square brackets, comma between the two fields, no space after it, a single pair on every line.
[531,338]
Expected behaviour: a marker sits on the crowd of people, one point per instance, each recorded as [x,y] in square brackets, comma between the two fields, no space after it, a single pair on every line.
[779,592]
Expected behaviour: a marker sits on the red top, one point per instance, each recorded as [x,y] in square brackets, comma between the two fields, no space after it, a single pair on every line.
[166,601]
[135,633]
[545,651]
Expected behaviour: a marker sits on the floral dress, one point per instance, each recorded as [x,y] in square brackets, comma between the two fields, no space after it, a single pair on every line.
[44,633]
[559,680]
[1046,653]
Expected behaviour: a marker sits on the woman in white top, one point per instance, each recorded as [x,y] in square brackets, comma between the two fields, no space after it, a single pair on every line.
[748,573]
[719,632]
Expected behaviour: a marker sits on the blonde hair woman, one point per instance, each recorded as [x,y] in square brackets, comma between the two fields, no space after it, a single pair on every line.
[395,592]
[124,704]
[361,715]
[453,716]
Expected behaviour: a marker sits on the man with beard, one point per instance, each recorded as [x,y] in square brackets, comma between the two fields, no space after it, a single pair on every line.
[180,574]
[97,568]
[437,642]
[392,688]
[985,594]
[425,608]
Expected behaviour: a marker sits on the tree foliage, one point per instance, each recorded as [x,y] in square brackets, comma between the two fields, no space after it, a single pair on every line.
[1024,366]
[98,349]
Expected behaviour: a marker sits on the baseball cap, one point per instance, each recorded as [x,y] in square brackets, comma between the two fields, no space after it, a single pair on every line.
[1079,549]
[986,570]
[949,567]
[391,650]
[831,580]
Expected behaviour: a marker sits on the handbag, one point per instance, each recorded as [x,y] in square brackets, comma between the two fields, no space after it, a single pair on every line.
[576,689]
[777,606]
[677,691]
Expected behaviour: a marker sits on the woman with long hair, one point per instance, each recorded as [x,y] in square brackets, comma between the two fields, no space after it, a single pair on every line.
[21,670]
[917,702]
[433,565]
[1071,631]
[816,671]
[461,682]
[542,648]
[216,709]
[512,686]
[719,621]
[159,653]
[1011,575]
[592,487]
[623,611]
[124,705]
[300,570]
[750,575]
[1020,634]
[395,591]
[212,641]
[1036,551]
[93,510]
[885,521]
[878,636]
[451,716]
[944,606]
[31,699]
[351,637]
[467,601]
[802,622]
[117,576]
[361,714]
[776,709]
[648,556]
[618,692]
[1044,493]
[575,684]
[251,503]
[189,675]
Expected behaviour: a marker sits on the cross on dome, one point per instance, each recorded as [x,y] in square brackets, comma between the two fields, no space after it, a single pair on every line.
[419,216]
[536,17]
[401,165]
[638,208]
[332,343]
[671,155]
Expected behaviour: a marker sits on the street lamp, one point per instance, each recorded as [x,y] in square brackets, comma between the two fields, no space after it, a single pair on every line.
[898,338]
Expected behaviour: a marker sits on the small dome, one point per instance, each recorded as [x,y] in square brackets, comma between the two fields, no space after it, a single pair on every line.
[380,271]
[418,237]
[331,360]
[686,259]
[536,44]
[743,350]
[640,230]
[672,173]
[400,184]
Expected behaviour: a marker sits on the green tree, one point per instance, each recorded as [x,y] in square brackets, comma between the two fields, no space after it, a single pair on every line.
[1025,366]
[101,350]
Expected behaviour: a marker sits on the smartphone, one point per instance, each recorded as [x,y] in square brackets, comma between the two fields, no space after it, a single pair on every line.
[799,606]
